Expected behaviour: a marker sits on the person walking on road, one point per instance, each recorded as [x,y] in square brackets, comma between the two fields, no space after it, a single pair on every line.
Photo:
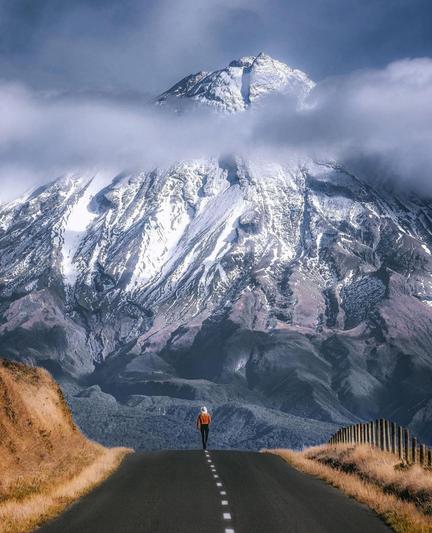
[203,424]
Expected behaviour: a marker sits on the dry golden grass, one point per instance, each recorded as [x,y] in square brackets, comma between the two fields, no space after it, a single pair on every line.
[401,495]
[45,461]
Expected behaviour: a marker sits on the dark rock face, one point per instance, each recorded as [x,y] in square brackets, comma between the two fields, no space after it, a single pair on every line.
[361,297]
[284,297]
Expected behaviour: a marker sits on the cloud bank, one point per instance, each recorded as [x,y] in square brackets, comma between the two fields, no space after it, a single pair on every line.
[379,120]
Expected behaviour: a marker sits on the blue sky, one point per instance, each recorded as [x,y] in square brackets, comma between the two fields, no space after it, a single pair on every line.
[135,47]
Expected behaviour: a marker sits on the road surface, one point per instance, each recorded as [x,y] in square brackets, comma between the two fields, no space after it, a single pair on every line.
[222,492]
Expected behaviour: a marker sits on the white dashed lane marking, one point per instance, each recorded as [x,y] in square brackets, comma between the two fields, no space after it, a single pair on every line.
[225,503]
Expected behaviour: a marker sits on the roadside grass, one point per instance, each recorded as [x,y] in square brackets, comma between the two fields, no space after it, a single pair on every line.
[45,461]
[35,503]
[400,494]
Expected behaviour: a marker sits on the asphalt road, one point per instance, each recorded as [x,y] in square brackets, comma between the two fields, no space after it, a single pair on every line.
[177,492]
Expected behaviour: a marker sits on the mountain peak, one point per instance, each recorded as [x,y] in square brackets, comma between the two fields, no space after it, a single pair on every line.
[245,61]
[237,86]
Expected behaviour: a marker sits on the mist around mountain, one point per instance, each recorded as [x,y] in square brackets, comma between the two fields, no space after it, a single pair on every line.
[289,295]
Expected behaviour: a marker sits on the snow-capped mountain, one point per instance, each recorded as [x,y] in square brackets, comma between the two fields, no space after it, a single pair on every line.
[241,84]
[302,291]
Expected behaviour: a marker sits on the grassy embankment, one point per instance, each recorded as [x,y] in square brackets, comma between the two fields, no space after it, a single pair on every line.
[45,461]
[401,494]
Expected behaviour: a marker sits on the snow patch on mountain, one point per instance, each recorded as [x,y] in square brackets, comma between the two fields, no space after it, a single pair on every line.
[78,219]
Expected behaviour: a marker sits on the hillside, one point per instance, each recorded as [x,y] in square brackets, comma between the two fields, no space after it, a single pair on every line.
[45,461]
[400,493]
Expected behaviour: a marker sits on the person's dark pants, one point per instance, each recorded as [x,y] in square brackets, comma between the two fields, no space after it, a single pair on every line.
[204,434]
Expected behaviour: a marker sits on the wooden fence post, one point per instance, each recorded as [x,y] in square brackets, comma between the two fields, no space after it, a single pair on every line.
[378,434]
[373,434]
[407,445]
[414,450]
[423,454]
[430,457]
[382,434]
[387,435]
[394,437]
[400,442]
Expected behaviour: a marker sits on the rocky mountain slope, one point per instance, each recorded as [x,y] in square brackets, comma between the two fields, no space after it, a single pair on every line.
[267,289]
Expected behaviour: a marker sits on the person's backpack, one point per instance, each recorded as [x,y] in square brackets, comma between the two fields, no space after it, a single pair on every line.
[204,418]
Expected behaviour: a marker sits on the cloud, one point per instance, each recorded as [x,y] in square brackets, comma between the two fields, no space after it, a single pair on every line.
[377,121]
[384,116]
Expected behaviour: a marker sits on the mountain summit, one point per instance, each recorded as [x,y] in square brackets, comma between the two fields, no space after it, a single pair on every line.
[288,298]
[240,84]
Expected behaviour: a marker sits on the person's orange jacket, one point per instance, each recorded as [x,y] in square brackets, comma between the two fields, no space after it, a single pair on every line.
[204,419]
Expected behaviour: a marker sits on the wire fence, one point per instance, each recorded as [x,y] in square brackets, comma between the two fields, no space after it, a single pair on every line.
[389,437]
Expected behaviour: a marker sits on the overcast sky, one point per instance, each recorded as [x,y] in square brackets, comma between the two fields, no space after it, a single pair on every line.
[74,74]
[143,46]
